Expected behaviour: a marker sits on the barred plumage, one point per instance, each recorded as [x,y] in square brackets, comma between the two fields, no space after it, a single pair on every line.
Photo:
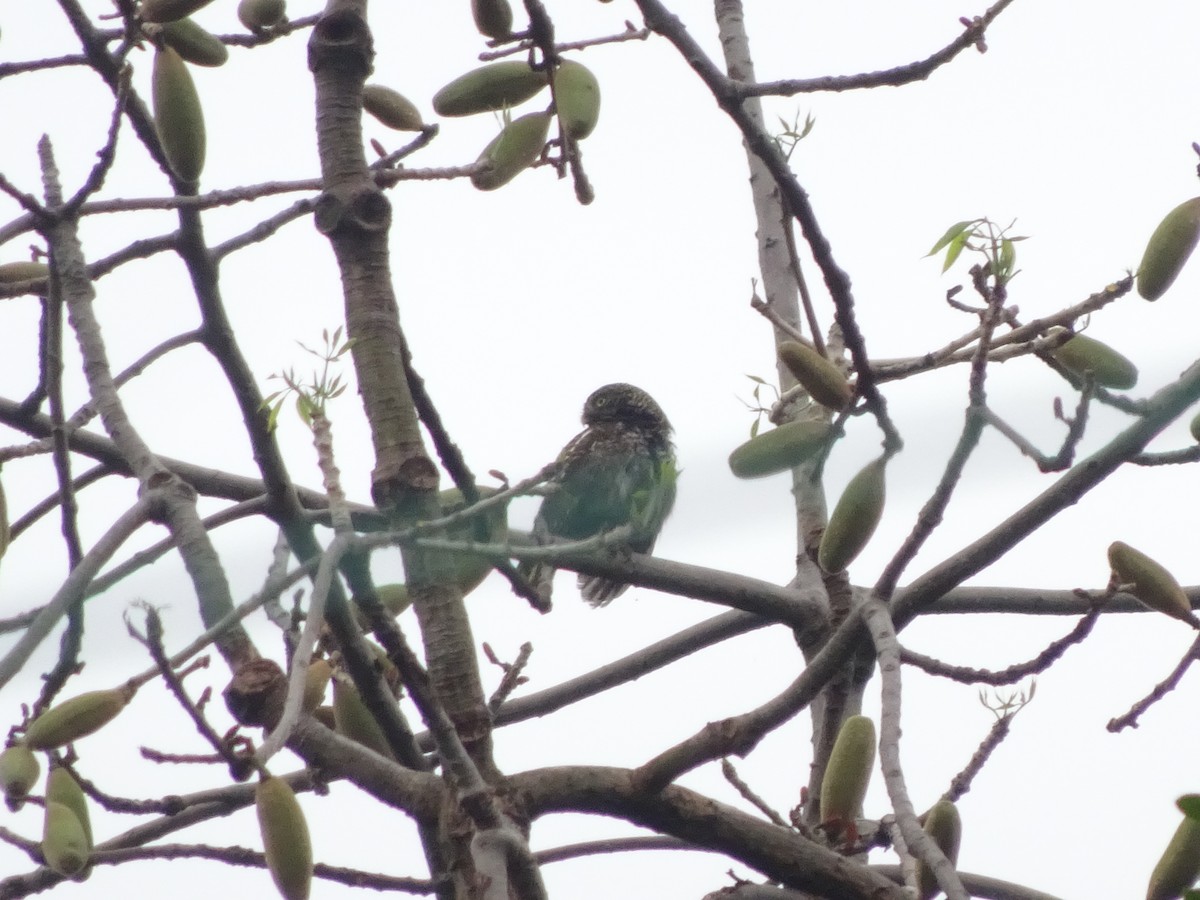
[620,470]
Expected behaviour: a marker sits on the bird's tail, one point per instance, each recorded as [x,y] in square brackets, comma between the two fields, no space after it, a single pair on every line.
[540,576]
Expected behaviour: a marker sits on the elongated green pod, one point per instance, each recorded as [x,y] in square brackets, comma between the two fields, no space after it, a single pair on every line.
[391,108]
[354,720]
[64,843]
[1168,249]
[512,151]
[394,596]
[493,18]
[490,88]
[854,519]
[577,98]
[62,788]
[1179,866]
[178,116]
[162,11]
[324,715]
[316,682]
[1151,583]
[466,569]
[259,14]
[285,838]
[19,770]
[1083,355]
[76,718]
[817,375]
[194,44]
[944,825]
[779,449]
[13,272]
[848,773]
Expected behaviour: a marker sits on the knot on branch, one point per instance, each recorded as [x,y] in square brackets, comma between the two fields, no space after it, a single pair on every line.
[342,39]
[256,695]
[363,209]
[393,487]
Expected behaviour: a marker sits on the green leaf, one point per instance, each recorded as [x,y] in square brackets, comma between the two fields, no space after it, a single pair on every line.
[273,413]
[1189,805]
[304,409]
[754,427]
[955,249]
[1008,257]
[951,233]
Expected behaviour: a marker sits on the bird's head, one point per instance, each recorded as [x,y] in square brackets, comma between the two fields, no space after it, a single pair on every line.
[626,404]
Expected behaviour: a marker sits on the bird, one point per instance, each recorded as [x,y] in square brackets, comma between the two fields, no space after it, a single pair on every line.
[620,470]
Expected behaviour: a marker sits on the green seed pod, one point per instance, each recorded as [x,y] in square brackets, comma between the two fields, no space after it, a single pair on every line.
[394,596]
[577,95]
[1180,864]
[178,116]
[490,88]
[817,375]
[943,824]
[194,44]
[1082,354]
[512,151]
[76,718]
[19,772]
[259,14]
[395,600]
[779,449]
[849,771]
[13,272]
[854,518]
[468,570]
[354,720]
[1152,583]
[1194,427]
[493,18]
[324,715]
[161,11]
[285,838]
[1168,250]
[391,108]
[64,843]
[62,788]
[316,680]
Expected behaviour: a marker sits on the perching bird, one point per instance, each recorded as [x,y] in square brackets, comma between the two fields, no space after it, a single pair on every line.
[620,470]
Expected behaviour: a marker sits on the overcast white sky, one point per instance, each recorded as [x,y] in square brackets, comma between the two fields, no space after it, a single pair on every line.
[1077,122]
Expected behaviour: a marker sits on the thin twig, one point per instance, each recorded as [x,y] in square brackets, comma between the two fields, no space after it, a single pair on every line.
[1164,687]
[513,675]
[748,794]
[1013,673]
[961,783]
[972,36]
[239,766]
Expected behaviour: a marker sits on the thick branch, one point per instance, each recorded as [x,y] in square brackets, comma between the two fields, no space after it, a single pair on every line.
[779,853]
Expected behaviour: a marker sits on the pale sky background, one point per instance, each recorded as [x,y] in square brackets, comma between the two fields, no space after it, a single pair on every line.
[1077,123]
